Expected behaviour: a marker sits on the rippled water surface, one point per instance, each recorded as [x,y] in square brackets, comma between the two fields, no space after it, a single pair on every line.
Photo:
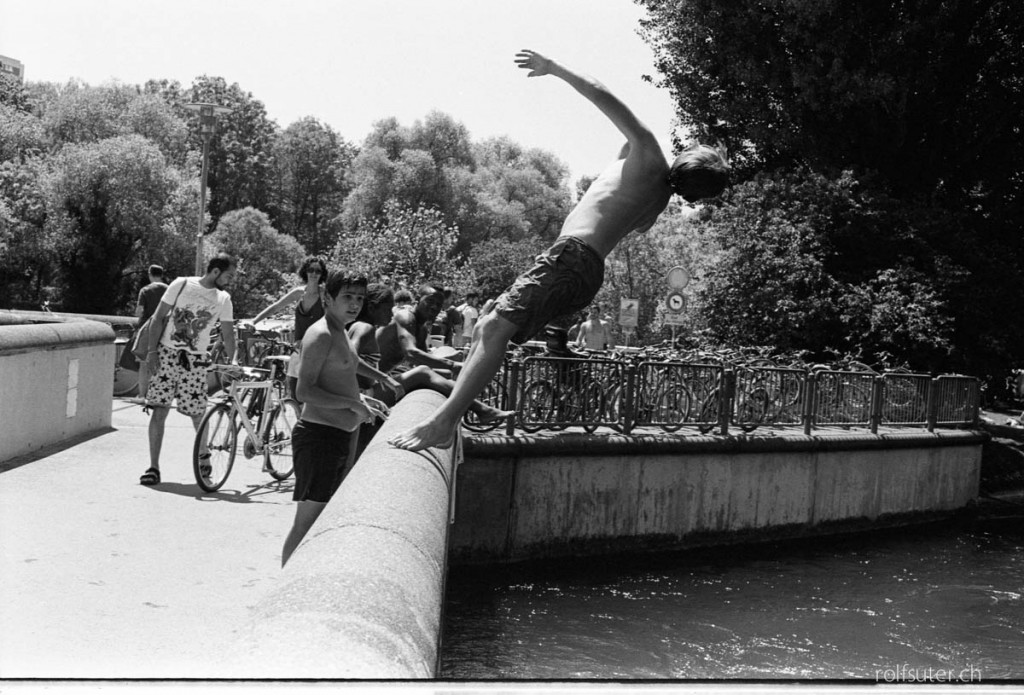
[949,598]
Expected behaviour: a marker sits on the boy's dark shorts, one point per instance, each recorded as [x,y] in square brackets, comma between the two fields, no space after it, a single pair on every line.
[319,453]
[563,280]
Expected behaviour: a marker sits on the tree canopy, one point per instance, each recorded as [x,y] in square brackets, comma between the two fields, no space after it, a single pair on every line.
[881,148]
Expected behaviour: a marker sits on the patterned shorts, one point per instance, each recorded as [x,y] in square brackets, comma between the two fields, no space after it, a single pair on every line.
[178,377]
[563,280]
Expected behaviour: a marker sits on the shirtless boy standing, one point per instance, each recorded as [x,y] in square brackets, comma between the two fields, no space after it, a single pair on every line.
[332,407]
[627,196]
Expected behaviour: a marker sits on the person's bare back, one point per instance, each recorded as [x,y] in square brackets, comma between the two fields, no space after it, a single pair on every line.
[627,196]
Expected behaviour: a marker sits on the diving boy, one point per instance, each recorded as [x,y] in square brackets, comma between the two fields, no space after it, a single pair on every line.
[627,196]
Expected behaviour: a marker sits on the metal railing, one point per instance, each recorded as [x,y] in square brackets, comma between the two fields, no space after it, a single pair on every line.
[551,393]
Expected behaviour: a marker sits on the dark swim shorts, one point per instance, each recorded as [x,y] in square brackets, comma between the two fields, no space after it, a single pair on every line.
[320,453]
[563,280]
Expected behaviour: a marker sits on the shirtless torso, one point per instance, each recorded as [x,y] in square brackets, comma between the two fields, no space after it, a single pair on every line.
[627,196]
[327,379]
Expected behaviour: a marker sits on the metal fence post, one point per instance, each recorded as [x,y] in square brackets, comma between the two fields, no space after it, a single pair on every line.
[932,404]
[628,398]
[512,393]
[810,396]
[726,398]
[876,403]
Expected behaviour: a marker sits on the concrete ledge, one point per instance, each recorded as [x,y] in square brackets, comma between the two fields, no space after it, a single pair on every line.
[56,381]
[14,316]
[16,339]
[501,447]
[362,595]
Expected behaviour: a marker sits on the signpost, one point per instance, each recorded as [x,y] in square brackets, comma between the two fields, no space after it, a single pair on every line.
[208,114]
[675,302]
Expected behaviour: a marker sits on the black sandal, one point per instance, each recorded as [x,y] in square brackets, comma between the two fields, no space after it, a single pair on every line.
[205,469]
[150,477]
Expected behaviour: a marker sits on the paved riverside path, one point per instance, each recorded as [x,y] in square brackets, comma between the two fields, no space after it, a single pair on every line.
[101,577]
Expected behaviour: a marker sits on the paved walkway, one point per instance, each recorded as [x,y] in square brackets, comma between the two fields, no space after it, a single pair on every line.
[101,577]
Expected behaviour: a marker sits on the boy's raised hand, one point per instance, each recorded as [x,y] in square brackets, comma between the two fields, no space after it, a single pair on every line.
[534,62]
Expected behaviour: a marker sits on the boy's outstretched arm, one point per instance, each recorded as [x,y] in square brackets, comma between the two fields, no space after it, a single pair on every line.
[609,104]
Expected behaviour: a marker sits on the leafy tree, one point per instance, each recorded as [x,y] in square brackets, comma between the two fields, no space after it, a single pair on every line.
[266,258]
[445,139]
[21,135]
[517,193]
[13,93]
[409,166]
[104,203]
[404,247]
[923,105]
[495,188]
[25,258]
[153,118]
[308,181]
[926,93]
[783,272]
[81,113]
[496,262]
[174,248]
[372,175]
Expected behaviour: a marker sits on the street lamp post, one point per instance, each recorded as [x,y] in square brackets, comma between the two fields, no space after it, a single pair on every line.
[208,114]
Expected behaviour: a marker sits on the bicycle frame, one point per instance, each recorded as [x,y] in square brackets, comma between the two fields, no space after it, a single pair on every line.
[236,391]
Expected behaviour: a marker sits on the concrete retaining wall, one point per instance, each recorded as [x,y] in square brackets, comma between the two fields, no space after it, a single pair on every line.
[579,494]
[55,383]
[362,595]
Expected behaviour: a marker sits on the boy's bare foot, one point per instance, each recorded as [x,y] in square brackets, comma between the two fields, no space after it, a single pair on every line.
[426,435]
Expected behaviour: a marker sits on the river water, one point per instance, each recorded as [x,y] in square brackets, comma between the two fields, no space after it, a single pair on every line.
[887,605]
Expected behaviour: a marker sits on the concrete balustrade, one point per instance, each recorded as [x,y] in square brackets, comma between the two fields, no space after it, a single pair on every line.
[527,498]
[362,595]
[55,381]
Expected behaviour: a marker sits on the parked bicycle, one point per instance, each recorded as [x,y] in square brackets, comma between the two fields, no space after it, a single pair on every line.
[253,403]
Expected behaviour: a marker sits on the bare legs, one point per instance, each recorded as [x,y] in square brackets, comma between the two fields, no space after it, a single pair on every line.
[306,513]
[157,424]
[490,338]
[423,377]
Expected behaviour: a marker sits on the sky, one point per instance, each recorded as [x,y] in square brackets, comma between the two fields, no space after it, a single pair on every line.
[349,63]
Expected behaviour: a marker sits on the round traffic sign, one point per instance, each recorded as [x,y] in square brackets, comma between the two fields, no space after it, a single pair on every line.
[675,302]
[678,277]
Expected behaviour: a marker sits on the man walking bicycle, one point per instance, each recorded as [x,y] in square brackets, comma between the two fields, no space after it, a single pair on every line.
[179,340]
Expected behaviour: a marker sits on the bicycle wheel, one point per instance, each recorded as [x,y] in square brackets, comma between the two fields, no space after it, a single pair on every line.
[672,407]
[126,382]
[707,416]
[278,445]
[219,430]
[751,408]
[613,406]
[538,405]
[493,395]
[592,406]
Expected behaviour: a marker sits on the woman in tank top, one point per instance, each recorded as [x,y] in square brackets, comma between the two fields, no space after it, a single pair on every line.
[309,308]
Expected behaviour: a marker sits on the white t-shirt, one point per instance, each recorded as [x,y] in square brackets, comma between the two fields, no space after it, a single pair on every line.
[196,311]
[469,317]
